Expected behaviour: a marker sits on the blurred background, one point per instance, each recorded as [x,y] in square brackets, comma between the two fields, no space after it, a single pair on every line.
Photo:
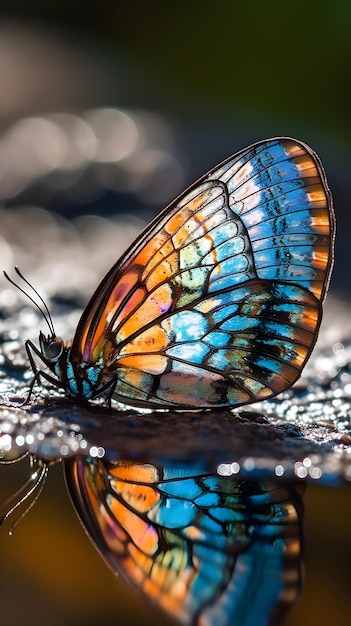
[107,111]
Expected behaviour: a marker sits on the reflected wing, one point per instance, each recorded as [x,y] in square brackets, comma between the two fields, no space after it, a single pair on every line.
[203,549]
[219,301]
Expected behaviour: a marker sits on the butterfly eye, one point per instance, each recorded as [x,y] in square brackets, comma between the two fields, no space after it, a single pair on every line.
[53,350]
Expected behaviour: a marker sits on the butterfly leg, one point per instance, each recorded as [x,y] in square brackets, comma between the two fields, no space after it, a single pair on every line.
[30,348]
[109,387]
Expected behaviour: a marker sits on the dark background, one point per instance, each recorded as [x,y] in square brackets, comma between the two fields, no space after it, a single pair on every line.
[223,75]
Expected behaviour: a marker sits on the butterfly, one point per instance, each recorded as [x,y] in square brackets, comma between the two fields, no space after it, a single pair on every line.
[201,548]
[218,302]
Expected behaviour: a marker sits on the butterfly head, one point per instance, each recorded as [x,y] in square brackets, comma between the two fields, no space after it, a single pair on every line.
[52,348]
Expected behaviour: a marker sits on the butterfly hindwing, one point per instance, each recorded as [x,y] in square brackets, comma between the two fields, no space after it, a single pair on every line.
[219,301]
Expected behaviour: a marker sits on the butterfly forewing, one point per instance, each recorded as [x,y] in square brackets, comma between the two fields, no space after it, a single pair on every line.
[218,303]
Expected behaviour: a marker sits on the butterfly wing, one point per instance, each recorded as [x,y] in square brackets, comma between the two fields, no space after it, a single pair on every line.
[200,548]
[218,303]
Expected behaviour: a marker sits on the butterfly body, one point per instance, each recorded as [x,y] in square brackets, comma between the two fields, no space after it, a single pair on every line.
[218,302]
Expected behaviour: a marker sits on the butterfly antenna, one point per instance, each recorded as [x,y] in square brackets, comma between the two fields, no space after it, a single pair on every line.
[44,311]
[31,489]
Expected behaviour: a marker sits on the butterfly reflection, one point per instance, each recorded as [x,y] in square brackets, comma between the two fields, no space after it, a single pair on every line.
[201,548]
